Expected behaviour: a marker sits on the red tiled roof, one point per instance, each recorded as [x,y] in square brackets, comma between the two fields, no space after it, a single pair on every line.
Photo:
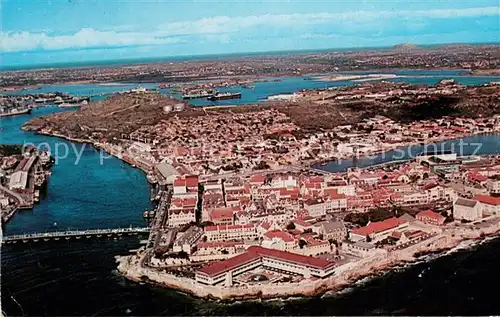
[183,202]
[292,257]
[379,226]
[430,186]
[257,179]
[179,182]
[280,235]
[489,200]
[477,177]
[184,210]
[334,194]
[312,185]
[256,253]
[313,201]
[225,212]
[294,191]
[295,232]
[430,214]
[315,179]
[192,181]
[302,223]
[229,264]
[265,225]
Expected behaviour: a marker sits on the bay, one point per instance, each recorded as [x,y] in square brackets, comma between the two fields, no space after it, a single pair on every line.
[79,277]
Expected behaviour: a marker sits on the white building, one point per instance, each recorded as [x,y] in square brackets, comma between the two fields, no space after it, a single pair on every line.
[187,240]
[316,207]
[361,249]
[18,180]
[224,271]
[231,232]
[493,184]
[488,204]
[466,209]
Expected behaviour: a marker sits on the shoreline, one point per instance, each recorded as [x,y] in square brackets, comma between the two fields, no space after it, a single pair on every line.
[313,164]
[317,164]
[348,274]
[348,72]
[95,145]
[129,267]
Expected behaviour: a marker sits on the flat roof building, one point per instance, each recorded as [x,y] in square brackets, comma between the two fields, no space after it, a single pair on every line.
[18,180]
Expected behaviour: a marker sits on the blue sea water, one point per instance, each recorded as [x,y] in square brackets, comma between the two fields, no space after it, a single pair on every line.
[79,278]
[264,89]
[471,145]
[81,193]
[95,91]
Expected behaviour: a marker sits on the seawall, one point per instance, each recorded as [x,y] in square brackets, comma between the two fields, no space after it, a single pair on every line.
[345,275]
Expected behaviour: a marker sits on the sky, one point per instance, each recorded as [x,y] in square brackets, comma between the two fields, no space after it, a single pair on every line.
[35,32]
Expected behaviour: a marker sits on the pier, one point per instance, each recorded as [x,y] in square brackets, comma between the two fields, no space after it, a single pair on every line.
[73,234]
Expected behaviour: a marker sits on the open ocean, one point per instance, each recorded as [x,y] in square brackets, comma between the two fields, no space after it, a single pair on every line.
[79,277]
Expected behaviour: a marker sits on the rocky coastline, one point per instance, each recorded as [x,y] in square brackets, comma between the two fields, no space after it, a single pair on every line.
[345,276]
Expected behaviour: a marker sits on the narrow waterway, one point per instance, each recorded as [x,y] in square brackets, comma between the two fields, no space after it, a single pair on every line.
[87,188]
[271,86]
[79,277]
[470,145]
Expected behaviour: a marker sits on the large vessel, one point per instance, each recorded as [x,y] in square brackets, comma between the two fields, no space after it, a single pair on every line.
[224,96]
[15,112]
[199,94]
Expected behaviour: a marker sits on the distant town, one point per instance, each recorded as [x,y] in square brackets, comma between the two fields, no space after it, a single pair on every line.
[478,59]
[252,201]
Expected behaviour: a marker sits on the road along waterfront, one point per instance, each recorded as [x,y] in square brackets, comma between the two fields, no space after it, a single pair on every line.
[70,274]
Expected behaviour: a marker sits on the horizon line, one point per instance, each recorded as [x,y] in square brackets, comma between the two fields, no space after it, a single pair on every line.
[180,57]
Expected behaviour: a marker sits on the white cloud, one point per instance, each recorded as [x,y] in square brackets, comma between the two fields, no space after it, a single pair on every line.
[217,28]
[85,38]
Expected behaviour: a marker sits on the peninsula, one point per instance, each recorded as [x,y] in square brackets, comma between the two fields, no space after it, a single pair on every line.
[243,211]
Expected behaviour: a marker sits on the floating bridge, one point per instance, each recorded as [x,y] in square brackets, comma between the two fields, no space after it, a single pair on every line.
[73,234]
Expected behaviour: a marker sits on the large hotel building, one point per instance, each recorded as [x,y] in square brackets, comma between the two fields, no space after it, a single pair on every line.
[256,256]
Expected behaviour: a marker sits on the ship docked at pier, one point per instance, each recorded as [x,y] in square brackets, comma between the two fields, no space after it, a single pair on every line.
[225,96]
[199,94]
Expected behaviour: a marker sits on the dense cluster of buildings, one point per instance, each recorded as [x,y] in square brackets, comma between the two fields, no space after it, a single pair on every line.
[21,176]
[228,143]
[295,223]
[442,57]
